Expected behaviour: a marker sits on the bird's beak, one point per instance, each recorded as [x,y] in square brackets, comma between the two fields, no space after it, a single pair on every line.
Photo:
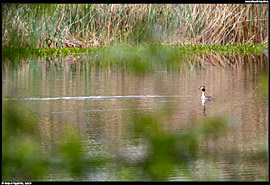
[199,88]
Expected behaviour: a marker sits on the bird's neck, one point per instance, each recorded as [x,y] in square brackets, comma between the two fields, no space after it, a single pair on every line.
[203,95]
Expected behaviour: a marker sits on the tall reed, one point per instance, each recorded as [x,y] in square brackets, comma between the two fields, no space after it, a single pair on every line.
[103,24]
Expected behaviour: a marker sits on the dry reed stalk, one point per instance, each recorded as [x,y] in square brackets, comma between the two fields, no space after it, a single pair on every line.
[182,24]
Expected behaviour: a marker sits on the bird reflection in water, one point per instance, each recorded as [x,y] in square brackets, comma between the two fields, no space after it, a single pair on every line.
[203,106]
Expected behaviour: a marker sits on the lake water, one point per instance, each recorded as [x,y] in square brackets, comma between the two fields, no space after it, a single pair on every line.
[98,102]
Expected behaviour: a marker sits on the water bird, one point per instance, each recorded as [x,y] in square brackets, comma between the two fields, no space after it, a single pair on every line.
[203,94]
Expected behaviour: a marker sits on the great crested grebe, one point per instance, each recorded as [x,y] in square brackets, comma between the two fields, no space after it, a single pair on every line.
[203,94]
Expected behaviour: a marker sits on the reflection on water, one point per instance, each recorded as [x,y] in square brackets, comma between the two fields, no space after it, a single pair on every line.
[97,101]
[90,97]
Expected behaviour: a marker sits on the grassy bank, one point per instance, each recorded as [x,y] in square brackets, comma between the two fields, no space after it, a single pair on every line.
[43,25]
[241,49]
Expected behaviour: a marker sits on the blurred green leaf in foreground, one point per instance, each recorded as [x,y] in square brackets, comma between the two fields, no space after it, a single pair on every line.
[23,159]
[168,150]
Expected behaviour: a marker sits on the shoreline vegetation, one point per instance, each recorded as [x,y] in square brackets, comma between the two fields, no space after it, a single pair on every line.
[232,49]
[102,25]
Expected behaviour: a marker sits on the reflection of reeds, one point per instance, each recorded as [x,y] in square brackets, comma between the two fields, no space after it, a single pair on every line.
[231,60]
[89,77]
[142,63]
[83,25]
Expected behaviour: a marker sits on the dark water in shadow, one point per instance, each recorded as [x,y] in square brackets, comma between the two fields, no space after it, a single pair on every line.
[97,101]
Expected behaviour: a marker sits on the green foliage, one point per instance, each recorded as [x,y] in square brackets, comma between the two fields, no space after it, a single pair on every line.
[137,56]
[167,150]
[23,159]
[241,49]
[21,152]
[70,155]
[26,53]
[139,60]
[213,126]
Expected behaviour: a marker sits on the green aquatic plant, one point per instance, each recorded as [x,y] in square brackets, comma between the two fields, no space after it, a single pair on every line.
[241,49]
[70,156]
[34,53]
[144,53]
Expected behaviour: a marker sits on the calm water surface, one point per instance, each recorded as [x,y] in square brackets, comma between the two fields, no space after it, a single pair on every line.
[97,102]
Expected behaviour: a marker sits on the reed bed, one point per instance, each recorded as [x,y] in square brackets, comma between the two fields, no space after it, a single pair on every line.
[35,25]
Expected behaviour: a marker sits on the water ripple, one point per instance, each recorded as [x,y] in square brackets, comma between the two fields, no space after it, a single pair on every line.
[98,97]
